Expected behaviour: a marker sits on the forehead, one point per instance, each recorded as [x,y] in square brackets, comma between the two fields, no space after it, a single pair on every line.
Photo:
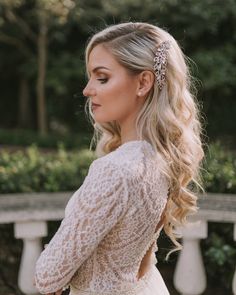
[101,57]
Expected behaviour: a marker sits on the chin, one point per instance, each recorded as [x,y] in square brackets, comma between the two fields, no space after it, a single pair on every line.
[103,120]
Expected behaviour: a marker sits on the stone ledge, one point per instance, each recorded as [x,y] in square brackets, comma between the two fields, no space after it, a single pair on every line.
[51,206]
[217,207]
[33,206]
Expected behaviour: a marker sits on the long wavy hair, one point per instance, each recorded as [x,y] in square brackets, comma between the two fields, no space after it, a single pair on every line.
[169,119]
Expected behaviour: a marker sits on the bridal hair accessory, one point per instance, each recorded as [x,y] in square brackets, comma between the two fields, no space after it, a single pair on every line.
[160,62]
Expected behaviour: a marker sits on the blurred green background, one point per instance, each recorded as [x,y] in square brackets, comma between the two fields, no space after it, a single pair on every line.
[45,135]
[42,58]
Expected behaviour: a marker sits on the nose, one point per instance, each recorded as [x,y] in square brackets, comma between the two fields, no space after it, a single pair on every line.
[88,90]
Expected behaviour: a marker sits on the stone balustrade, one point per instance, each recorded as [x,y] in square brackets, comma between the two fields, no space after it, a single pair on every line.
[30,213]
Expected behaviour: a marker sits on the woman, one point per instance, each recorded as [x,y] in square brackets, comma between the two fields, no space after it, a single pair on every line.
[149,149]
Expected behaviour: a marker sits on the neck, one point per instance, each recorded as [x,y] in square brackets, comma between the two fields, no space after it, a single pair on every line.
[128,131]
[128,135]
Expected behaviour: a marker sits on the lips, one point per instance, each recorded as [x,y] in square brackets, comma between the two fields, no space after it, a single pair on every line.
[95,106]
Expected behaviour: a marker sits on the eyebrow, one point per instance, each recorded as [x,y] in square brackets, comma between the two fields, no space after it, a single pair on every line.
[99,68]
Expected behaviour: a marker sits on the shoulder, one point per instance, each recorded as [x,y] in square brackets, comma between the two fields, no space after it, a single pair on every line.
[127,160]
[105,170]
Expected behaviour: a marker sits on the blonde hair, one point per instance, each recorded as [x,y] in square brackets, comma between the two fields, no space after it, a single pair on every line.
[169,119]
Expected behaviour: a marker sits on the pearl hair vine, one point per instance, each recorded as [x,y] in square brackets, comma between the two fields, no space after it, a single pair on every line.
[160,63]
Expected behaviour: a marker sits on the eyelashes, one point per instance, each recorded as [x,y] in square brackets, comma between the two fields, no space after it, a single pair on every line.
[103,80]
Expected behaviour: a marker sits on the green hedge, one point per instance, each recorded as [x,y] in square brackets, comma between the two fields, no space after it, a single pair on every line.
[21,137]
[219,170]
[33,171]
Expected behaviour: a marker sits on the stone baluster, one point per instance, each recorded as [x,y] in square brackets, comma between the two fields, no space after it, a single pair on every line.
[31,232]
[190,276]
[234,278]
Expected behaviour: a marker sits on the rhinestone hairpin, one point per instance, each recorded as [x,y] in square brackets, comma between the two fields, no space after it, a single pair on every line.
[160,63]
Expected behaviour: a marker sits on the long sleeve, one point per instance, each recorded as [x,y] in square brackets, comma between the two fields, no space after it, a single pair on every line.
[90,214]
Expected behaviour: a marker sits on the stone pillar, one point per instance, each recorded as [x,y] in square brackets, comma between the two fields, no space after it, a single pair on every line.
[234,278]
[190,276]
[31,232]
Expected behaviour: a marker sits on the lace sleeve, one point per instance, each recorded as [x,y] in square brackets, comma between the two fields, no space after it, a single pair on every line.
[90,214]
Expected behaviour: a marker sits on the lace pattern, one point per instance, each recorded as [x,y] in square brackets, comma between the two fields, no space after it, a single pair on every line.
[138,287]
[109,225]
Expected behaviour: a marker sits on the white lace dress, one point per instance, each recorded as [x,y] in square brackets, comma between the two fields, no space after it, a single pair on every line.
[109,225]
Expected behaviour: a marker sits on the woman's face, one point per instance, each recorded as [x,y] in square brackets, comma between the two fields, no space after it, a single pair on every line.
[111,86]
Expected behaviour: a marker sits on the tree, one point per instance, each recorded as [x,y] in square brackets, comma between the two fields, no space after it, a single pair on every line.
[34,20]
[204,30]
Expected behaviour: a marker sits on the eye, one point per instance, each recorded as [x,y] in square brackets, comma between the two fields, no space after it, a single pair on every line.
[102,80]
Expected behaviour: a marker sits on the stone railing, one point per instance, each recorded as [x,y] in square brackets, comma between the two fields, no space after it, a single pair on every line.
[30,213]
[189,276]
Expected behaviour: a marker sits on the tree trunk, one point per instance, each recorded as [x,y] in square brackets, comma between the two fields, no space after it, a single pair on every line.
[42,62]
[24,117]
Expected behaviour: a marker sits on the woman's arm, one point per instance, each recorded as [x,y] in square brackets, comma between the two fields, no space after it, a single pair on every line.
[90,214]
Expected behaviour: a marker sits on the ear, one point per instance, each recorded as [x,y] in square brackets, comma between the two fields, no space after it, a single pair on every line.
[145,83]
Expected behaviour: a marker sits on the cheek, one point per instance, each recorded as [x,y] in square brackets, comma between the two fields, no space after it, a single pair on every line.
[117,101]
[120,102]
[111,110]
